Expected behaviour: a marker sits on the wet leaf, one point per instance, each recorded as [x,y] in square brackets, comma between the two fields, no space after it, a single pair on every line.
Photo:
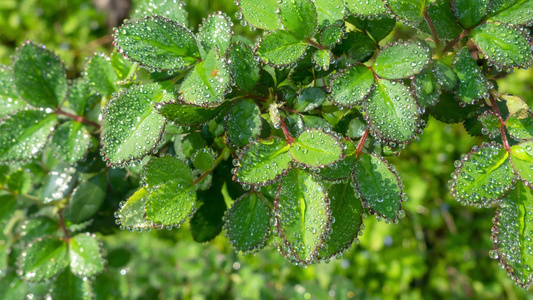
[12,287]
[309,99]
[443,20]
[379,28]
[445,76]
[216,32]
[449,110]
[9,99]
[248,223]
[331,35]
[351,86]
[426,88]
[302,215]
[516,106]
[131,128]
[343,168]
[39,75]
[473,85]
[44,259]
[204,159]
[181,113]
[522,161]
[86,199]
[513,12]
[329,11]
[322,59]
[100,73]
[379,185]
[357,46]
[260,13]
[207,83]
[85,256]
[24,134]
[392,112]
[316,148]
[207,221]
[263,162]
[81,97]
[38,227]
[483,176]
[8,204]
[411,11]
[298,17]
[280,48]
[68,286]
[158,43]
[491,123]
[470,12]
[243,123]
[131,214]
[504,46]
[58,183]
[401,60]
[71,141]
[172,9]
[19,182]
[366,8]
[244,68]
[520,129]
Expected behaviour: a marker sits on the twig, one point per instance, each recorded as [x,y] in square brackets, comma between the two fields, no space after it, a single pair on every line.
[220,158]
[433,30]
[361,143]
[63,226]
[502,127]
[77,118]
[455,40]
[288,136]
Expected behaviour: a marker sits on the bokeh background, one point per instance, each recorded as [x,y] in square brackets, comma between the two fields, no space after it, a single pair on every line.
[439,251]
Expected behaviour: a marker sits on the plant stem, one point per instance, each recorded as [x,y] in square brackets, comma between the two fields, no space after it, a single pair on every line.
[502,123]
[433,30]
[313,43]
[288,136]
[361,143]
[455,40]
[220,158]
[63,226]
[77,118]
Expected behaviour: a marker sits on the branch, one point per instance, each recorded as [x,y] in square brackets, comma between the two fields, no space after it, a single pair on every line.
[288,136]
[361,143]
[502,127]
[220,158]
[77,118]
[455,40]
[63,226]
[433,30]
[313,43]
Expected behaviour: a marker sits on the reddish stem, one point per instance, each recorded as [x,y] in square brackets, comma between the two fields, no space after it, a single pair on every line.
[502,122]
[77,118]
[63,226]
[432,28]
[313,43]
[361,143]
[455,40]
[288,136]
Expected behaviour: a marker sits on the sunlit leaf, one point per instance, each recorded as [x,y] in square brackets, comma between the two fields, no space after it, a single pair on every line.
[401,60]
[44,259]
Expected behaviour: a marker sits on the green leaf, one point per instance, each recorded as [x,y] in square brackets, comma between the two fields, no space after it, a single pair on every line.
[302,215]
[483,176]
[4,251]
[40,77]
[12,287]
[207,83]
[343,168]
[71,141]
[401,60]
[100,73]
[131,214]
[351,86]
[516,106]
[24,134]
[8,204]
[503,45]
[81,98]
[445,76]
[366,8]
[357,46]
[204,159]
[216,32]
[470,12]
[243,123]
[19,182]
[491,123]
[157,43]
[514,12]
[131,128]
[309,99]
[315,148]
[449,110]
[512,234]
[58,183]
[522,161]
[520,129]
[441,15]
[9,99]
[181,113]
[86,199]
[347,211]
[426,88]
[379,185]
[299,17]
[260,14]
[380,28]
[322,59]
[248,223]
[263,162]
[207,221]
[172,195]
[331,36]
[473,85]
[411,11]
[43,259]
[392,112]
[244,68]
[329,12]
[280,48]
[37,228]
[171,9]
[67,286]
[85,257]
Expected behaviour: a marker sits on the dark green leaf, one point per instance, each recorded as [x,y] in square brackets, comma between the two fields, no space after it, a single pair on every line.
[243,123]
[100,73]
[441,15]
[131,128]
[43,259]
[316,148]
[8,204]
[216,32]
[67,286]
[401,60]
[329,12]
[449,110]
[9,99]
[344,167]
[86,199]
[172,9]
[445,76]
[260,13]
[248,223]
[4,250]
[204,159]
[24,134]
[366,8]
[411,11]
[85,257]
[263,162]
[37,228]
[473,85]
[379,28]
[379,185]
[80,97]
[299,17]
[280,48]
[71,141]
[40,77]
[426,88]
[186,114]
[244,68]
[207,221]
[513,12]
[491,123]
[131,214]
[158,43]
[351,86]
[357,46]
[483,176]
[302,215]
[12,287]
[469,12]
[520,129]
[309,99]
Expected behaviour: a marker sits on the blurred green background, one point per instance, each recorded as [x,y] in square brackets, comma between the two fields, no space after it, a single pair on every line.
[440,251]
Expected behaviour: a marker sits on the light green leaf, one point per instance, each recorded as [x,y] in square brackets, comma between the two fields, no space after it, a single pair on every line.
[470,12]
[331,36]
[37,228]
[491,123]
[171,9]
[302,216]
[445,76]
[186,114]
[80,97]
[473,85]
[19,182]
[426,88]
[244,68]
[85,256]
[503,45]
[347,211]
[309,99]
[204,159]
[343,168]
[101,75]
[4,250]
[411,11]
[71,141]
[280,48]
[68,286]
[157,43]
[58,183]
[40,77]
[260,13]
[513,12]
[522,161]
[402,60]
[299,17]
[329,12]
[216,32]
[351,86]
[483,176]
[207,83]
[131,214]
[12,287]
[392,112]
[9,99]
[86,199]
[322,59]
[379,185]
[520,129]
[248,223]
[243,123]
[366,8]
[43,259]
[316,148]
[517,106]
[131,128]
[24,134]
[263,162]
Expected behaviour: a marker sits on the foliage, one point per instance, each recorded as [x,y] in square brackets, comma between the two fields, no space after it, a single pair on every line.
[278,141]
